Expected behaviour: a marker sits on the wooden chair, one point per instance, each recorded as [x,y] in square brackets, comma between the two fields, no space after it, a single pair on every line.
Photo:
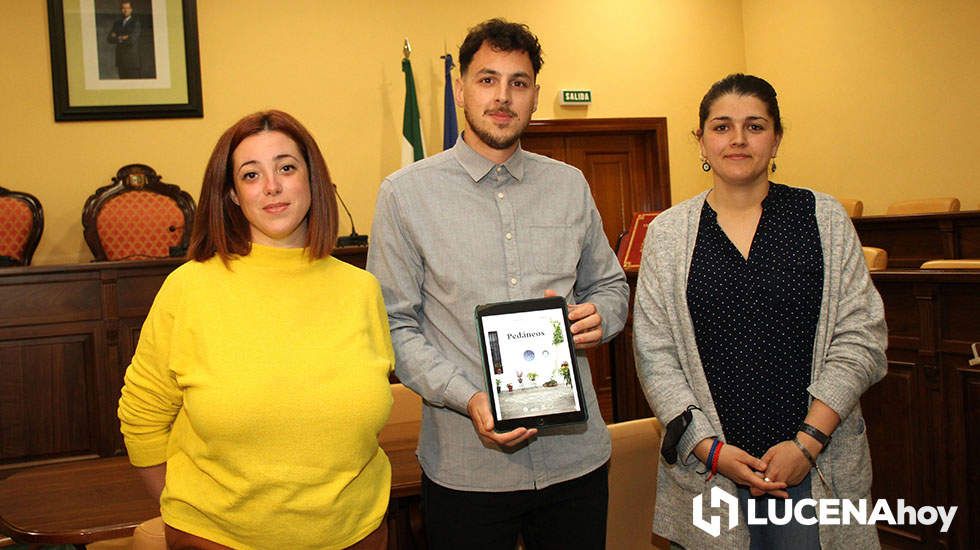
[877,258]
[924,206]
[138,217]
[952,264]
[853,207]
[633,485]
[21,225]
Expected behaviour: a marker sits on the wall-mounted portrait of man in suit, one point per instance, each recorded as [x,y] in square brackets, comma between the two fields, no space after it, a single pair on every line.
[125,30]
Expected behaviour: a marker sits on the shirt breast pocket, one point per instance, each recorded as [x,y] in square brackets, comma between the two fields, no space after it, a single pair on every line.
[554,248]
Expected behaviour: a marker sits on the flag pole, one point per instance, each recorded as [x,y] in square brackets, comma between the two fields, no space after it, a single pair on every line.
[413,148]
[450,129]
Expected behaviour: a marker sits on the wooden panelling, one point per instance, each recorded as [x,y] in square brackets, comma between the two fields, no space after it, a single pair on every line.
[624,160]
[551,146]
[600,361]
[960,316]
[922,417]
[901,310]
[613,166]
[895,433]
[67,334]
[56,298]
[135,291]
[49,395]
[969,240]
[912,240]
[966,490]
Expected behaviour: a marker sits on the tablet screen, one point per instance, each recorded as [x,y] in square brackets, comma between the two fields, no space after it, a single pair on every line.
[529,360]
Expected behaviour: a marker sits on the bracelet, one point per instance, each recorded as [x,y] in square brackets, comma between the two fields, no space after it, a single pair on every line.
[813,461]
[714,462]
[805,451]
[813,432]
[711,454]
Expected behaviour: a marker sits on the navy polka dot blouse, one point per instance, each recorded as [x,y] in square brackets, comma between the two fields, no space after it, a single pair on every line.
[755,320]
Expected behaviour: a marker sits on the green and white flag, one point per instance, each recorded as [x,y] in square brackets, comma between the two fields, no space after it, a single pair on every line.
[412,147]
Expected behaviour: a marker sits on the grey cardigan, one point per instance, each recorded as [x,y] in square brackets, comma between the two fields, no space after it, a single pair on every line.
[848,357]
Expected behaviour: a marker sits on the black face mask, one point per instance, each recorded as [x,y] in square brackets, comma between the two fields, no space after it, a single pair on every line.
[675,429]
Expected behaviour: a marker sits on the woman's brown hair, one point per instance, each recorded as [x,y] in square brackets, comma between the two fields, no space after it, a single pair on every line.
[219,225]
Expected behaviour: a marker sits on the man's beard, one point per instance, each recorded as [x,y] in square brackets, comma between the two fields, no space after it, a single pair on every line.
[495,142]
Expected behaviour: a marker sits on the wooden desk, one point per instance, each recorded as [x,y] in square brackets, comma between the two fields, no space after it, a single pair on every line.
[74,503]
[67,333]
[923,418]
[911,240]
[89,500]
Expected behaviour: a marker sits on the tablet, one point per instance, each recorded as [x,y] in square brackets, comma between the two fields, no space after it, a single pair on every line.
[529,364]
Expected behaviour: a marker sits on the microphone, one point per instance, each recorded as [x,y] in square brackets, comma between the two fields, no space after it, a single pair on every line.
[354,239]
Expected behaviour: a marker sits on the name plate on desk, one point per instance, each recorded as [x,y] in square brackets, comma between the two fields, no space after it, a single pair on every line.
[631,247]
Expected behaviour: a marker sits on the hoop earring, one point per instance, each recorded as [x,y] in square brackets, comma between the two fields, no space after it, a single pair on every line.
[705,166]
[774,166]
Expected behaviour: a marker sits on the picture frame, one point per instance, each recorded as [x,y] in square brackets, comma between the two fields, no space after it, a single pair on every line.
[107,65]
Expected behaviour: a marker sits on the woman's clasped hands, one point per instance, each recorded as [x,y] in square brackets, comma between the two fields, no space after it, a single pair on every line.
[783,465]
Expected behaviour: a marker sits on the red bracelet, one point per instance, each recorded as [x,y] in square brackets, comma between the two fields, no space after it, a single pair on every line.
[714,460]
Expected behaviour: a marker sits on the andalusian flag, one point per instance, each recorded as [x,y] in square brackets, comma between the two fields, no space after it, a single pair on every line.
[450,131]
[412,149]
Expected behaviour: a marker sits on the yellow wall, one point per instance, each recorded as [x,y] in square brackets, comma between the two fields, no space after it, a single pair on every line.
[336,66]
[879,96]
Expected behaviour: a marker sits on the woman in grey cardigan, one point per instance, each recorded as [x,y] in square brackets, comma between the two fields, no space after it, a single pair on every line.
[756,322]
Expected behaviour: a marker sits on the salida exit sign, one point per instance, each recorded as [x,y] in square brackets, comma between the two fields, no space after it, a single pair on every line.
[576,97]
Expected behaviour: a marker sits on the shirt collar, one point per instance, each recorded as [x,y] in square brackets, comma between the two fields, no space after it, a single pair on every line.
[478,166]
[776,194]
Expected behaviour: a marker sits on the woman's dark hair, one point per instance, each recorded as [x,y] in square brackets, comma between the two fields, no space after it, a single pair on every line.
[221,228]
[742,84]
[502,36]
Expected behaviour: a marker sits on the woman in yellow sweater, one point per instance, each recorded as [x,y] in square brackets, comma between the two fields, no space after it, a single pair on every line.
[260,382]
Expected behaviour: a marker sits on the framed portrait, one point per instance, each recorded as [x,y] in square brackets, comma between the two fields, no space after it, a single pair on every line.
[124,59]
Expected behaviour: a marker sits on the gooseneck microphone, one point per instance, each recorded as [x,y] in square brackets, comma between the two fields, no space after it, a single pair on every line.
[354,239]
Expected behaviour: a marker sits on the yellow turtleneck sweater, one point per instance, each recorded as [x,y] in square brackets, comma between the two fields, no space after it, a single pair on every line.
[263,386]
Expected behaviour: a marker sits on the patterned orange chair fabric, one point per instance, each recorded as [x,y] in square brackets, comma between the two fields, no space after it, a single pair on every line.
[138,217]
[21,225]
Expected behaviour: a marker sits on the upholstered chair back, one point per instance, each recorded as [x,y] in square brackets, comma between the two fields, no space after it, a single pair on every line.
[633,485]
[925,206]
[138,217]
[963,263]
[877,258]
[21,225]
[853,207]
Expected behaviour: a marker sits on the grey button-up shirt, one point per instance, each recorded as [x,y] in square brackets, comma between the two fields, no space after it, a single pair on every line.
[455,230]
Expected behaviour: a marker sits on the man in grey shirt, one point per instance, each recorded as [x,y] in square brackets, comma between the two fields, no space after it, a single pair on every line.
[488,222]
